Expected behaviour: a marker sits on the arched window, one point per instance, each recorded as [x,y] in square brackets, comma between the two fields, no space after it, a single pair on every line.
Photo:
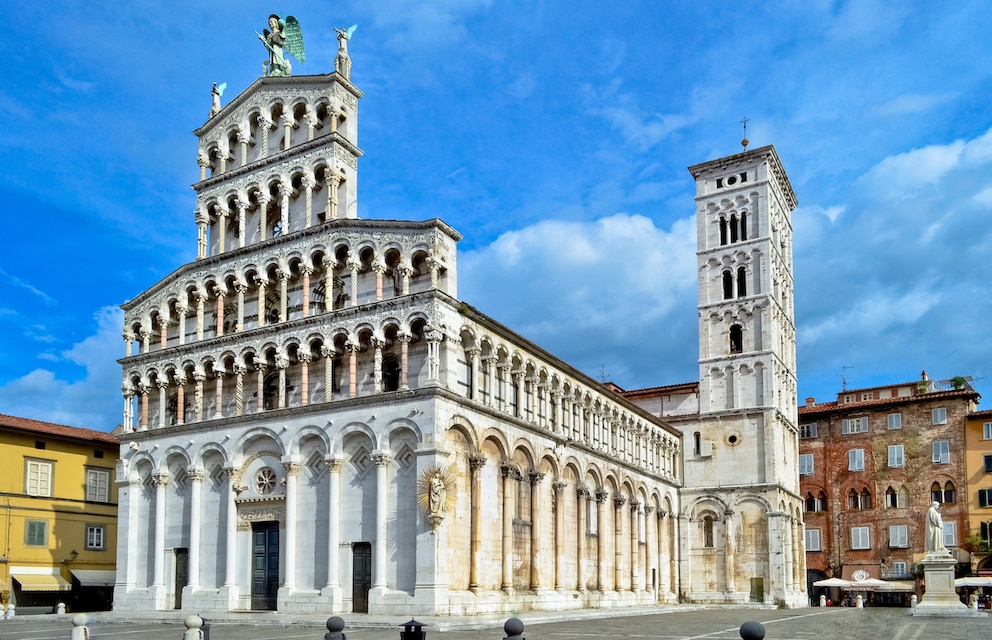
[736,339]
[728,285]
[391,374]
[743,226]
[890,498]
[852,499]
[741,282]
[936,493]
[708,531]
[723,231]
[821,502]
[733,228]
[865,499]
[696,443]
[810,503]
[949,494]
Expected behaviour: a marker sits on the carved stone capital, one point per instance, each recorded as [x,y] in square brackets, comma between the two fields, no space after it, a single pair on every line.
[476,461]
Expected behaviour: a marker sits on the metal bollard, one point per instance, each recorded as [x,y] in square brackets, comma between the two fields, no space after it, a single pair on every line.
[514,629]
[752,631]
[335,625]
[413,630]
[79,629]
[194,625]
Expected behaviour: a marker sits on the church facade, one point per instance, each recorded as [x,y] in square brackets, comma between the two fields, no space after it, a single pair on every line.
[314,422]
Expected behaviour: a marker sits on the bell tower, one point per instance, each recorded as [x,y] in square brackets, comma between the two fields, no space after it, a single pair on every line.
[741,471]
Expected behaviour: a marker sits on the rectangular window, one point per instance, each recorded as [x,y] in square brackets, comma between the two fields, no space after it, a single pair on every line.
[900,570]
[856,460]
[36,533]
[950,534]
[940,415]
[988,464]
[868,395]
[859,538]
[97,485]
[812,540]
[985,497]
[987,430]
[899,536]
[38,478]
[897,457]
[806,464]
[95,539]
[894,420]
[941,452]
[809,430]
[854,425]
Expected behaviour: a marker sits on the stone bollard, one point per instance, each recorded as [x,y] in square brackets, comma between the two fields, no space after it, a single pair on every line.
[60,608]
[913,601]
[823,600]
[973,601]
[10,612]
[514,629]
[335,625]
[194,628]
[859,602]
[752,631]
[79,629]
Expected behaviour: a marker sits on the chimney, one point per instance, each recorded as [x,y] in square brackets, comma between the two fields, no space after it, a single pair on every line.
[924,376]
[810,402]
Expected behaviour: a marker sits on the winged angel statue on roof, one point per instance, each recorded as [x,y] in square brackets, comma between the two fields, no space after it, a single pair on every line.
[283,36]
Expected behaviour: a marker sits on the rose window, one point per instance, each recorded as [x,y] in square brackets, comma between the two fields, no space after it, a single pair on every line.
[265,481]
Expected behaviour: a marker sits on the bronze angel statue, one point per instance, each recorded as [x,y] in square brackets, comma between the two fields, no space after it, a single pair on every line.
[283,36]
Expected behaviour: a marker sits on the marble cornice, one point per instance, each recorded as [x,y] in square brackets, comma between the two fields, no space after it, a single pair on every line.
[270,332]
[282,157]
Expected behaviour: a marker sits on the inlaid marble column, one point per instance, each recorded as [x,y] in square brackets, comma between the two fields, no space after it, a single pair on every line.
[728,519]
[201,236]
[182,311]
[435,269]
[582,497]
[333,587]
[160,481]
[281,363]
[221,229]
[180,399]
[475,461]
[231,527]
[162,404]
[333,181]
[328,284]
[284,209]
[292,468]
[242,214]
[327,353]
[354,267]
[145,335]
[143,403]
[263,213]
[379,270]
[200,297]
[261,302]
[239,389]
[307,185]
[128,392]
[241,289]
[473,360]
[243,141]
[218,395]
[377,344]
[264,126]
[283,276]
[518,387]
[405,274]
[511,475]
[128,343]
[305,359]
[635,573]
[260,386]
[352,350]
[405,339]
[219,292]
[305,273]
[198,378]
[535,530]
[380,557]
[287,128]
[618,502]
[559,486]
[602,576]
[196,476]
[556,411]
[163,328]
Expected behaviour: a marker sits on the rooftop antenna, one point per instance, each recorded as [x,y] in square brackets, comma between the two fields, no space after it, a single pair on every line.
[843,377]
[602,374]
[745,140]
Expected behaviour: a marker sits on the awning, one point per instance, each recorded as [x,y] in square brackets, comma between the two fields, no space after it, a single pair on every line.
[901,585]
[95,577]
[37,581]
[973,581]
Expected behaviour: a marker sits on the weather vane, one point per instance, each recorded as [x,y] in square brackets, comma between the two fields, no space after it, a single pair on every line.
[745,140]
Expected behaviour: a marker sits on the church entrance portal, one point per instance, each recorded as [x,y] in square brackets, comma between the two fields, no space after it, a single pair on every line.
[361,571]
[264,565]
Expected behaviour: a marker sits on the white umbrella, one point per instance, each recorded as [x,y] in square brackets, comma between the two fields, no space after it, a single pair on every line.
[833,582]
[974,581]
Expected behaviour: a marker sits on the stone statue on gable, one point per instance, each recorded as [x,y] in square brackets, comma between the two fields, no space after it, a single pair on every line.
[283,36]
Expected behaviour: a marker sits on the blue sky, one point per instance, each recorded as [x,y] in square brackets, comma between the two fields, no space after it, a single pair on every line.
[555,137]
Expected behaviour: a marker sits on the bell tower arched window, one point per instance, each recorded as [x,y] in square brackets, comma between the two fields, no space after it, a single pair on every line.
[736,339]
[728,285]
[723,231]
[708,531]
[741,282]
[733,229]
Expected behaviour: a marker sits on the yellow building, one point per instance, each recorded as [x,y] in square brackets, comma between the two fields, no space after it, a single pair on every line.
[60,522]
[978,464]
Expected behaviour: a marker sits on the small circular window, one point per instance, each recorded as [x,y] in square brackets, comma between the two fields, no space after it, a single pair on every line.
[265,481]
[733,439]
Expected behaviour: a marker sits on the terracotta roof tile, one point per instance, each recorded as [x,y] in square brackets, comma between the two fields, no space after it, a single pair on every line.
[61,430]
[824,407]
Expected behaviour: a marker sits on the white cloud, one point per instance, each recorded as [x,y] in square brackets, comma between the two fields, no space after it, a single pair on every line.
[93,401]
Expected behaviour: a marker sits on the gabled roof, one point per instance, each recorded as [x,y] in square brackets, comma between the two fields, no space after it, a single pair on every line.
[59,430]
[834,406]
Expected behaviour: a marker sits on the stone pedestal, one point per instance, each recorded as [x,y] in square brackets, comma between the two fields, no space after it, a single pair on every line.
[940,600]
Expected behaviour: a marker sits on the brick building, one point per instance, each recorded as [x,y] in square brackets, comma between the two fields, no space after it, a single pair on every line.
[870,464]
